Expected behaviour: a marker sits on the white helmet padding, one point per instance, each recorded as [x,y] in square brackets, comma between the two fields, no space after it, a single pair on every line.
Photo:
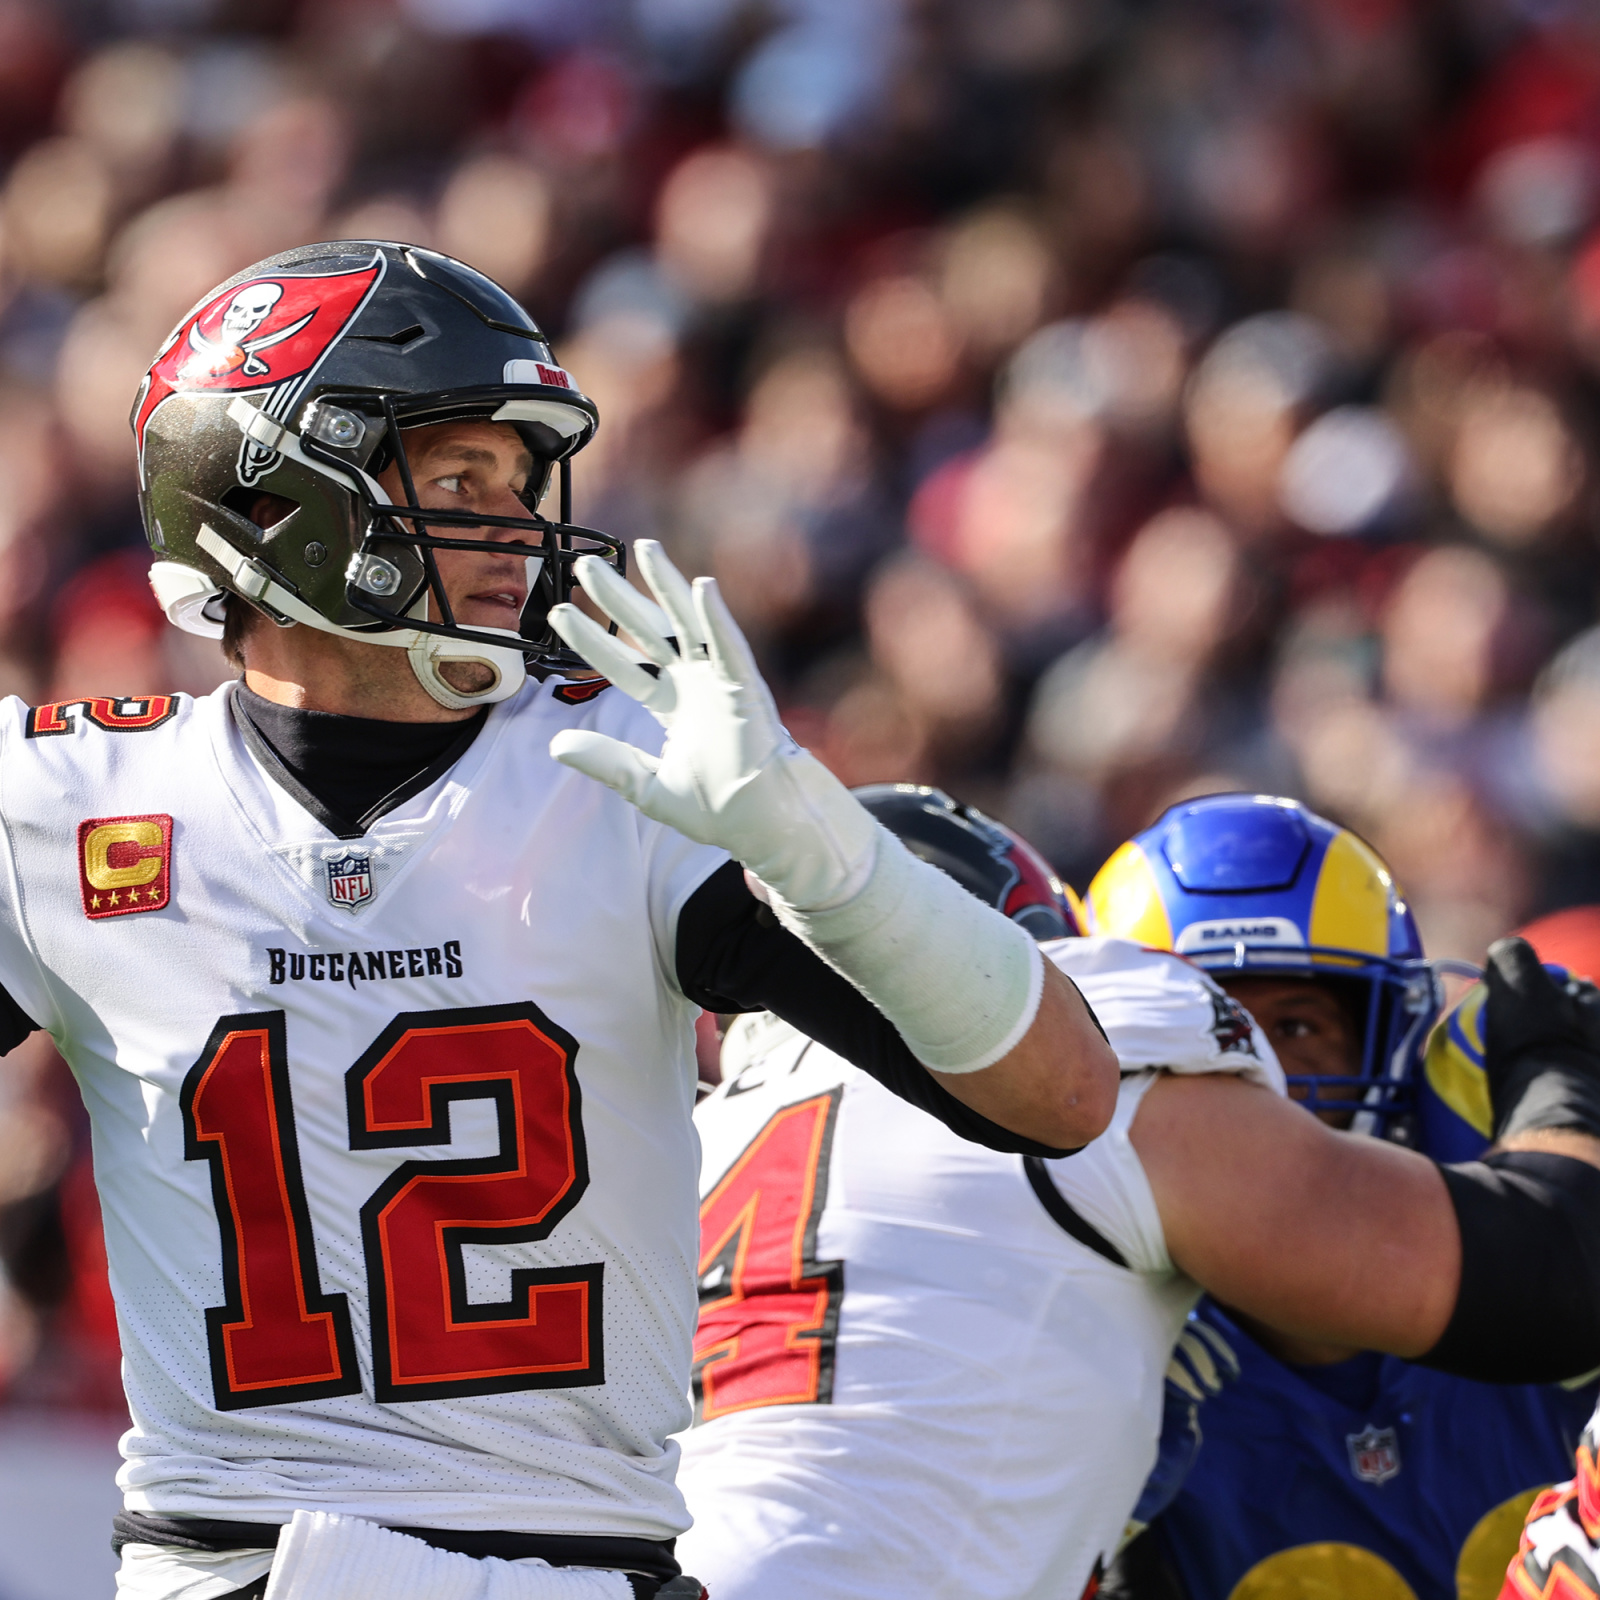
[187,597]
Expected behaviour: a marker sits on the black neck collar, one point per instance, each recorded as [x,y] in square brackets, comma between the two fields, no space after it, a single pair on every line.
[349,771]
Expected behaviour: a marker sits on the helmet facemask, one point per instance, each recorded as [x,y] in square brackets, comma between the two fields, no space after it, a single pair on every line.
[393,576]
[1391,1005]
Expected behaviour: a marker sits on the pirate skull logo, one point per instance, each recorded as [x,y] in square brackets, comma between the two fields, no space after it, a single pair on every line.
[237,350]
[248,309]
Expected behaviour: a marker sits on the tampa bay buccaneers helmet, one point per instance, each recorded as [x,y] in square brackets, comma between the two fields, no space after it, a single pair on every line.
[298,378]
[987,859]
[1254,885]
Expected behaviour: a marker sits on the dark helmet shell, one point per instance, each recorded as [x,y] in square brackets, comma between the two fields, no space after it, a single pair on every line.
[986,858]
[344,344]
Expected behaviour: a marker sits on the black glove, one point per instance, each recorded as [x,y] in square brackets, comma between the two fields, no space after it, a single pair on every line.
[1541,1045]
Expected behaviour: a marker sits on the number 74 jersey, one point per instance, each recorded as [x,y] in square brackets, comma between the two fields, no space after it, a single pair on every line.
[922,1367]
[392,1133]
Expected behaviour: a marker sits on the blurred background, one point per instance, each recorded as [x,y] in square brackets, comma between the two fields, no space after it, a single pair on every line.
[1083,403]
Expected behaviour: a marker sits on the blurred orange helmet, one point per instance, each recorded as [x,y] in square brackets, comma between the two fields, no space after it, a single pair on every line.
[1569,939]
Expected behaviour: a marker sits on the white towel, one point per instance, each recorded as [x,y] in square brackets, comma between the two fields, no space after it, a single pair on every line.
[323,1556]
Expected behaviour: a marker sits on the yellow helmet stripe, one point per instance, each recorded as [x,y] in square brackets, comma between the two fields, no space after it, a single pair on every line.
[1350,908]
[1125,900]
[1454,1062]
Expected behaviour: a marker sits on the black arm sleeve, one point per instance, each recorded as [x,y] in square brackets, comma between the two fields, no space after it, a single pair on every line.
[15,1023]
[1528,1310]
[734,955]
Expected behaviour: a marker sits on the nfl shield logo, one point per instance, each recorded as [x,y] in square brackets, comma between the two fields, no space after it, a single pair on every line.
[1374,1454]
[350,880]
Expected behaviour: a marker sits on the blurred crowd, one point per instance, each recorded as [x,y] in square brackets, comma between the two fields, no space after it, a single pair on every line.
[1083,403]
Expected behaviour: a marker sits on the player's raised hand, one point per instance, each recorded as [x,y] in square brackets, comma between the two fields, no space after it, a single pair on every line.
[729,774]
[960,982]
[1541,1036]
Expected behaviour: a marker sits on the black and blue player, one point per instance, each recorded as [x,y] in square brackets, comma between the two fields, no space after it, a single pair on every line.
[1325,1470]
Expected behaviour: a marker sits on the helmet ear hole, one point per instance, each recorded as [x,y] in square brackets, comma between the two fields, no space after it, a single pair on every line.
[266,511]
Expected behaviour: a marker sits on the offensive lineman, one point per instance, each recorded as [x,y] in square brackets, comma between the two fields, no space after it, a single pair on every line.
[384,1016]
[928,1370]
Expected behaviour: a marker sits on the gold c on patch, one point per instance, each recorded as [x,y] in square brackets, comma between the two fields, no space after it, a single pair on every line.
[124,865]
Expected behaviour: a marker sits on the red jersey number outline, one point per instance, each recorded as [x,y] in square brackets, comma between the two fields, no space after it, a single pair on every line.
[109,713]
[277,1338]
[429,1341]
[769,1309]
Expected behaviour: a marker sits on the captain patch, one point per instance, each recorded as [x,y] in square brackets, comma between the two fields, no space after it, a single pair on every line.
[124,865]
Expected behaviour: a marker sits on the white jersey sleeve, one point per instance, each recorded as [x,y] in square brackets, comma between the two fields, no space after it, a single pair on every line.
[1160,1010]
[1161,1014]
[910,1380]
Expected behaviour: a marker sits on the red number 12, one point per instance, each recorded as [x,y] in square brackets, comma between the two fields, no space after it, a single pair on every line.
[277,1338]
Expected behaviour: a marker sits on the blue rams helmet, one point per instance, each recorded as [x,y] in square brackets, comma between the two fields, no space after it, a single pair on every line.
[1255,885]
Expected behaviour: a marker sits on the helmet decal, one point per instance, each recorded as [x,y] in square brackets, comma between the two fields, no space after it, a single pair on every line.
[1125,899]
[1034,883]
[261,334]
[1453,1069]
[1350,907]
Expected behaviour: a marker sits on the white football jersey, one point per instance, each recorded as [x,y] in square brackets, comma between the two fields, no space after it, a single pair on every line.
[910,1380]
[393,1135]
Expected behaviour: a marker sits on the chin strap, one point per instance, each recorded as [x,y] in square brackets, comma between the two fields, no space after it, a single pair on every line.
[426,659]
[427,652]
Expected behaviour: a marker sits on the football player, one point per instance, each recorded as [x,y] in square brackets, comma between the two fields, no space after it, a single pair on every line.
[383,1009]
[1407,1482]
[925,1369]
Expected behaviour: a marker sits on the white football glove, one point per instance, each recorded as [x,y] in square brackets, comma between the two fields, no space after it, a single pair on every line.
[729,774]
[959,981]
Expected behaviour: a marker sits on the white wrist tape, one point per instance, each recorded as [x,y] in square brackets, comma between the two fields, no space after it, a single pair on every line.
[809,840]
[323,1556]
[959,982]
